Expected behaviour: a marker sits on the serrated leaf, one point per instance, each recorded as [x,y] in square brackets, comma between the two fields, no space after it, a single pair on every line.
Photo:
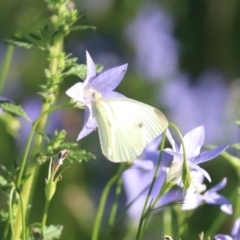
[78,70]
[47,74]
[13,109]
[19,42]
[53,232]
[79,156]
[34,36]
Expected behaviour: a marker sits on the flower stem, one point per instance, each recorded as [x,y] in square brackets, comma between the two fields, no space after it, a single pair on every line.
[167,221]
[44,218]
[101,207]
[185,170]
[6,65]
[144,211]
[33,167]
[118,192]
[11,212]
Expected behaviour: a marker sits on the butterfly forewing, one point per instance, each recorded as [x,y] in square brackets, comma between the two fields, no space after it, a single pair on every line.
[125,127]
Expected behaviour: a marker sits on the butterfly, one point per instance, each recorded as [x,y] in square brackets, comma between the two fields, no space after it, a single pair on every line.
[126,126]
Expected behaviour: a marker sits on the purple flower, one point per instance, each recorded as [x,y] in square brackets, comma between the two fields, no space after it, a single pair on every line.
[137,179]
[152,28]
[193,142]
[195,198]
[212,110]
[102,84]
[235,234]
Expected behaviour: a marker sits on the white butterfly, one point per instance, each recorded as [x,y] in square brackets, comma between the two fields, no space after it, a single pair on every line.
[126,126]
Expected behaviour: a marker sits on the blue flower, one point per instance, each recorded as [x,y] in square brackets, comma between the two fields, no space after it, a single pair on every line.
[235,234]
[103,84]
[137,179]
[195,198]
[193,142]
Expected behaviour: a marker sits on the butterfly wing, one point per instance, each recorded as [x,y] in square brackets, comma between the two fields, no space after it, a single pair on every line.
[125,127]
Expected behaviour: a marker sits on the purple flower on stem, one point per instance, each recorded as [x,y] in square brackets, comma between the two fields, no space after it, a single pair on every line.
[103,84]
[194,198]
[235,234]
[193,142]
[137,179]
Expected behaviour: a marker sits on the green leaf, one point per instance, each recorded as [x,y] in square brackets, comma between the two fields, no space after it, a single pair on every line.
[83,28]
[19,42]
[53,232]
[14,109]
[57,143]
[236,146]
[3,215]
[3,181]
[10,124]
[79,156]
[78,70]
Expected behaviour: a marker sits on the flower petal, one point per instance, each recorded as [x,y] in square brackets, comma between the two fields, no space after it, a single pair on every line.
[210,154]
[89,124]
[91,69]
[146,165]
[76,92]
[194,166]
[108,80]
[222,237]
[193,141]
[219,186]
[175,147]
[236,229]
[172,196]
[174,154]
[192,201]
[227,208]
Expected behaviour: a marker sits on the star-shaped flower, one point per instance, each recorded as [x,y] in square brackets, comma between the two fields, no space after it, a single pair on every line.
[103,84]
[195,196]
[193,142]
[137,179]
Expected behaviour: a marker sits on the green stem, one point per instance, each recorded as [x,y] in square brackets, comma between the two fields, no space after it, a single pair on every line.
[118,192]
[101,207]
[167,221]
[6,229]
[33,168]
[6,65]
[44,218]
[25,155]
[140,232]
[11,212]
[115,204]
[185,170]
[23,216]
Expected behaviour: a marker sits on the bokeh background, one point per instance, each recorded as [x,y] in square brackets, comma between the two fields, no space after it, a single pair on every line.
[184,58]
